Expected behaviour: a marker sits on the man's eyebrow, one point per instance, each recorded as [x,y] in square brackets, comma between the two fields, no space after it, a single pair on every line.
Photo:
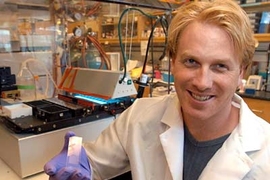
[194,56]
[185,54]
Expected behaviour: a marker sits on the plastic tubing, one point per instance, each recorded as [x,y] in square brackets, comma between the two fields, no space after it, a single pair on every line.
[48,74]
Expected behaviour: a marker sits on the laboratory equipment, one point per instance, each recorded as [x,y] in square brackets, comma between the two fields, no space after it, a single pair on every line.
[26,83]
[85,95]
[98,83]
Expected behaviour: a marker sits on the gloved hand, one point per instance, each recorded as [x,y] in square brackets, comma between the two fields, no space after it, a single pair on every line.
[57,170]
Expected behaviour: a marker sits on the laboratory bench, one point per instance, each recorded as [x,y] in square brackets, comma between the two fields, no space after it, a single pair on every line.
[260,95]
[25,154]
[259,103]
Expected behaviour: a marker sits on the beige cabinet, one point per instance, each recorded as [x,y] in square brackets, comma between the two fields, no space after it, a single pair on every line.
[259,107]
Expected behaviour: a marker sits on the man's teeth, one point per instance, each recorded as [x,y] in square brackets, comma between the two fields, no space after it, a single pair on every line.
[201,98]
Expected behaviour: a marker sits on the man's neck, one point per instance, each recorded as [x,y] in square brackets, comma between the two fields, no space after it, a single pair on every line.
[209,129]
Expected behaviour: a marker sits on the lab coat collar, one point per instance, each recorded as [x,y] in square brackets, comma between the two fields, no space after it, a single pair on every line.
[172,139]
[232,158]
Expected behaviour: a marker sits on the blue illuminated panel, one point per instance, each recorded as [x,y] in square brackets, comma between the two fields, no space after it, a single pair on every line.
[97,99]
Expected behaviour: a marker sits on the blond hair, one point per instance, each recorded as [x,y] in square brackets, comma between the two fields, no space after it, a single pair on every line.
[226,14]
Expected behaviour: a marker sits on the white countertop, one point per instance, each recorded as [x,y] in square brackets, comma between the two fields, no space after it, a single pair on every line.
[8,174]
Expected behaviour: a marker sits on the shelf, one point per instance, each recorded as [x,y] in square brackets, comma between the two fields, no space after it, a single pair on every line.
[144,4]
[116,24]
[155,39]
[256,7]
[109,24]
[141,26]
[260,37]
[172,1]
[263,37]
[116,40]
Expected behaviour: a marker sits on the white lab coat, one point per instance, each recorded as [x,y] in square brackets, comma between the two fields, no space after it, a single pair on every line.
[148,139]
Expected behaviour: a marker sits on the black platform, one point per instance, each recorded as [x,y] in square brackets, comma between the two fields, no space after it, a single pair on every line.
[44,119]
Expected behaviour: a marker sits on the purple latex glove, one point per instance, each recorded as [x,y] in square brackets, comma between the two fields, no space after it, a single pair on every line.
[57,170]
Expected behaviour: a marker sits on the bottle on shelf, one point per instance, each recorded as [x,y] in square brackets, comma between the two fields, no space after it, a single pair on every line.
[165,63]
[26,84]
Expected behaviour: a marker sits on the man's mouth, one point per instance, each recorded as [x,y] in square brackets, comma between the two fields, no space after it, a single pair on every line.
[200,97]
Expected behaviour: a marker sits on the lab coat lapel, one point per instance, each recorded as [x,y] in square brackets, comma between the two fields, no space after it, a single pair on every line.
[172,140]
[228,163]
[232,160]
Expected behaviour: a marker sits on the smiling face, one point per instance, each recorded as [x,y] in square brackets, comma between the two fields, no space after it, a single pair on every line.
[206,72]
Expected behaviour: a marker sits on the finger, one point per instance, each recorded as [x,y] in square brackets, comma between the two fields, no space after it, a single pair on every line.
[67,136]
[55,164]
[84,162]
[86,178]
[80,178]
[78,175]
[63,174]
[50,169]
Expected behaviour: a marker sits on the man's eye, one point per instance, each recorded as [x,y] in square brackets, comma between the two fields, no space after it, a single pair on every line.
[190,62]
[221,67]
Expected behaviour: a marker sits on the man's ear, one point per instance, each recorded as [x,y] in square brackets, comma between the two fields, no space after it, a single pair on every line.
[242,73]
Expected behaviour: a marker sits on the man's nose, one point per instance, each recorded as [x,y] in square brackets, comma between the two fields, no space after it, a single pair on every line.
[203,79]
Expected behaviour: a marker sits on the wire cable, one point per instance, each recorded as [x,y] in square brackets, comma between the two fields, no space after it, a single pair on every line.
[163,22]
[120,36]
[131,35]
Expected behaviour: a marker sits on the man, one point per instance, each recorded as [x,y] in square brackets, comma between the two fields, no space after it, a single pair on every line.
[205,131]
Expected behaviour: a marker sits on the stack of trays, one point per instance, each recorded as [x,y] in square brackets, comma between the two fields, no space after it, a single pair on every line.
[48,111]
